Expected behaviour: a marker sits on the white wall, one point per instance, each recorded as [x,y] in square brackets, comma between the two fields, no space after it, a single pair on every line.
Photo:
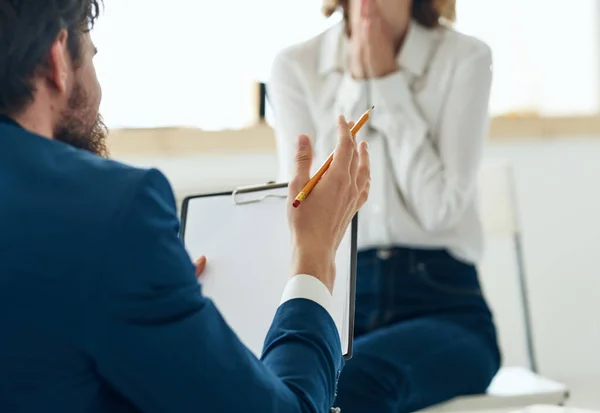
[558,191]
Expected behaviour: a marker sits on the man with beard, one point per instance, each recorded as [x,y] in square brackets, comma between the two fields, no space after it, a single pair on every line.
[100,310]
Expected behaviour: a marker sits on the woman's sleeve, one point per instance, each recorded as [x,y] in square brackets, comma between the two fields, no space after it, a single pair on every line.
[438,180]
[292,114]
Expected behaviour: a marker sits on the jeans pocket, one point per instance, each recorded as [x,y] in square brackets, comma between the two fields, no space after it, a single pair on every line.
[448,276]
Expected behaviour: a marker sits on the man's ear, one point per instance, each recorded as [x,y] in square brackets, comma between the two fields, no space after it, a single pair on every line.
[59,62]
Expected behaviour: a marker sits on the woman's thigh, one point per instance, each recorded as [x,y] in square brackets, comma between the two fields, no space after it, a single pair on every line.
[415,284]
[414,364]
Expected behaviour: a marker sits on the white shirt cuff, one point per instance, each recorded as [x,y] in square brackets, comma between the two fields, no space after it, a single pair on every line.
[310,288]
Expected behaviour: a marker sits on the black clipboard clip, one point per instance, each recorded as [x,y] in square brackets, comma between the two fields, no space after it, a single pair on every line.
[257,188]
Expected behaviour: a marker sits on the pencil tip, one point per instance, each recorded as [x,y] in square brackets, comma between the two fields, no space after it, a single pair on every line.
[372,107]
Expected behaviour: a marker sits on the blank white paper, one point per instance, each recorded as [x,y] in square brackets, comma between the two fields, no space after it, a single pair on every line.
[248,248]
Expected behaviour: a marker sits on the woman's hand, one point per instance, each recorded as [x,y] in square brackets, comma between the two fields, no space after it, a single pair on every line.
[372,48]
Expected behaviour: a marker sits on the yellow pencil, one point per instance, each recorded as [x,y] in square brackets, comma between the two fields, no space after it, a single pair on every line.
[319,174]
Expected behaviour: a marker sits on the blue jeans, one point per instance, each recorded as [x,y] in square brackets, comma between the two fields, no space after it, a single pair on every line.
[423,333]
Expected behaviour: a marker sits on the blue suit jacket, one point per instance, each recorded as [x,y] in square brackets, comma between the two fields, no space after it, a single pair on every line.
[100,310]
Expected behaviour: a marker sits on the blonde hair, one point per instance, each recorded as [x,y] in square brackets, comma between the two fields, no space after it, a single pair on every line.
[426,12]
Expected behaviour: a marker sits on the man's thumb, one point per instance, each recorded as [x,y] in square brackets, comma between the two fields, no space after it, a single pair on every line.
[303,159]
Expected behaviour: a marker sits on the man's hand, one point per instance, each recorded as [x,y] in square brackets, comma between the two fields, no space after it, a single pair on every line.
[200,265]
[318,225]
[372,48]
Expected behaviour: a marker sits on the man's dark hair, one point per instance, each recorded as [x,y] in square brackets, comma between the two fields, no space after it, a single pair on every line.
[27,30]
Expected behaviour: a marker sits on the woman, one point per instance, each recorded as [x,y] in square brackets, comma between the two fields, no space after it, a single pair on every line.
[423,332]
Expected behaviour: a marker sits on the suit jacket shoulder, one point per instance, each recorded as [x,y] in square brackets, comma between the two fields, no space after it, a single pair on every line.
[62,207]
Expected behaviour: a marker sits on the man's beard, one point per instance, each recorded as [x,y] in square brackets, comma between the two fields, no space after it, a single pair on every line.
[80,128]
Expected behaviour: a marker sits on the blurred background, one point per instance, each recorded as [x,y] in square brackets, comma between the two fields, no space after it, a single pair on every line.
[203,59]
[181,83]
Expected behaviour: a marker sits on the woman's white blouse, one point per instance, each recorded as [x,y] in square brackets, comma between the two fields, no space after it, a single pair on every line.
[425,134]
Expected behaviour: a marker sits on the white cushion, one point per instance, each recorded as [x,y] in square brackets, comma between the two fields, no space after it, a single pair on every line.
[514,381]
[511,388]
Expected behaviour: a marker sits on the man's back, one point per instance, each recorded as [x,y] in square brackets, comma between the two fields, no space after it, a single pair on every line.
[100,310]
[59,213]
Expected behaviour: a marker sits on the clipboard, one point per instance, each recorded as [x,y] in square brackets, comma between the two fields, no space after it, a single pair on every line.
[226,225]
